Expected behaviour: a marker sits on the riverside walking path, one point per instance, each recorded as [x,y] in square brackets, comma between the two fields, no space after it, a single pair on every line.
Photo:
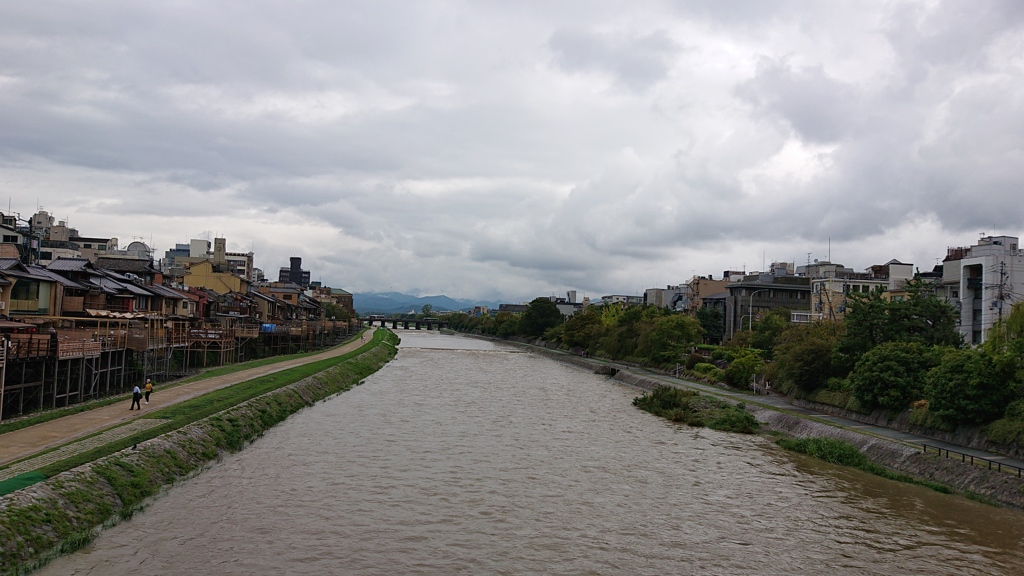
[782,404]
[120,421]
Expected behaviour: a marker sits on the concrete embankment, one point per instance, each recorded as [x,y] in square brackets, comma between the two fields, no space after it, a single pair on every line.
[63,513]
[969,436]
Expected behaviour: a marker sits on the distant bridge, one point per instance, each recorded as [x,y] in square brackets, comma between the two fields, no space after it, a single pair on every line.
[417,324]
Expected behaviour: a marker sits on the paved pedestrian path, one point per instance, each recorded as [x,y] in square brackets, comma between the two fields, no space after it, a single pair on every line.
[26,442]
[69,450]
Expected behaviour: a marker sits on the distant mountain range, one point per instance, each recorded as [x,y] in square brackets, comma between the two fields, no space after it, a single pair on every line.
[398,303]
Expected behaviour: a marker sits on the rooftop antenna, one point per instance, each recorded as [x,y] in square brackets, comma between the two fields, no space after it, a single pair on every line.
[829,248]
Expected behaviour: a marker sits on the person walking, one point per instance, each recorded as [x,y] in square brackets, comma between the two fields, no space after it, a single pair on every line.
[149,389]
[136,397]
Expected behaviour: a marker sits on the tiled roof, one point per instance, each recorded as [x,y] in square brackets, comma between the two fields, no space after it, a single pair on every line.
[40,271]
[165,292]
[8,263]
[124,264]
[68,264]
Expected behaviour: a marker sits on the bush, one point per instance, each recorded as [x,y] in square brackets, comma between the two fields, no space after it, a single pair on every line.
[723,355]
[827,449]
[704,368]
[694,359]
[968,387]
[891,375]
[734,419]
[687,406]
[743,369]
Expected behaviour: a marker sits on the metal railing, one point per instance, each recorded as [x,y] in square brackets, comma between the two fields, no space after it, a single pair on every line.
[968,458]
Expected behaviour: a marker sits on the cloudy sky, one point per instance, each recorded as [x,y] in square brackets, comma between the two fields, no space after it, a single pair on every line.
[507,150]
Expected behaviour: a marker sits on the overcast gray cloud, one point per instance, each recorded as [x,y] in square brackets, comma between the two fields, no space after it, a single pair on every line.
[508,150]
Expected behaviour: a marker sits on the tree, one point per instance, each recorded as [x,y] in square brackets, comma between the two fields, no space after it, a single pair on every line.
[540,315]
[712,320]
[583,329]
[969,387]
[919,317]
[336,311]
[427,309]
[743,368]
[672,336]
[891,375]
[506,324]
[803,354]
[768,328]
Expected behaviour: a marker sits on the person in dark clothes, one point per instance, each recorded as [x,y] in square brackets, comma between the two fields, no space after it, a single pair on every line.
[136,398]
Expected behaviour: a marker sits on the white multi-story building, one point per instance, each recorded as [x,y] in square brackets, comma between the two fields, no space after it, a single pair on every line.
[984,280]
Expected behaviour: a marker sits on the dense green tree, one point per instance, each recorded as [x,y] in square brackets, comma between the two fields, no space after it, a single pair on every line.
[803,354]
[712,320]
[969,387]
[743,368]
[583,328]
[891,375]
[540,315]
[673,336]
[768,328]
[337,312]
[426,310]
[919,317]
[506,324]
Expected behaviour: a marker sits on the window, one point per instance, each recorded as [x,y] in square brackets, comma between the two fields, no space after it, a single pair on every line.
[9,239]
[25,290]
[101,246]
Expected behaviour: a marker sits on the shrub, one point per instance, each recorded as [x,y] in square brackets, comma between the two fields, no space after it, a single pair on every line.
[693,359]
[827,449]
[704,368]
[743,369]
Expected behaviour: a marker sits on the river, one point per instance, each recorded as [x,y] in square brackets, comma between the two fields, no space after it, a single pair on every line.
[467,457]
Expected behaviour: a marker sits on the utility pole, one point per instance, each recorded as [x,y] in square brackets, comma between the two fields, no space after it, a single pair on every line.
[1002,282]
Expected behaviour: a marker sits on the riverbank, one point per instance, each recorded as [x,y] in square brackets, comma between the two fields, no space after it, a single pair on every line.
[969,480]
[66,511]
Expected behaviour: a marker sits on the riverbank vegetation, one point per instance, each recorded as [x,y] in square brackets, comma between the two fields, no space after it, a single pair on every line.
[846,454]
[694,409]
[890,354]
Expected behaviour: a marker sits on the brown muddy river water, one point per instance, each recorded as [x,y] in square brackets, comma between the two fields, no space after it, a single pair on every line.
[466,457]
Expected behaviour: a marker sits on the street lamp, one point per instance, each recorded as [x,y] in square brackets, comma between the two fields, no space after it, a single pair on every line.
[750,307]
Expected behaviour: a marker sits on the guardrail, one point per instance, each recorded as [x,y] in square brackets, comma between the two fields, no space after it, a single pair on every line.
[969,458]
[79,349]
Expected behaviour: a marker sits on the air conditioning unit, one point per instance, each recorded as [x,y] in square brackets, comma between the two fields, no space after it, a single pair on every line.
[3,304]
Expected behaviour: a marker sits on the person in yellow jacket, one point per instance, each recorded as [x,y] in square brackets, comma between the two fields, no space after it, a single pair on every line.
[149,389]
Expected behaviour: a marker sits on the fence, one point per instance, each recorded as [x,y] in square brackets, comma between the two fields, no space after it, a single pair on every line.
[969,458]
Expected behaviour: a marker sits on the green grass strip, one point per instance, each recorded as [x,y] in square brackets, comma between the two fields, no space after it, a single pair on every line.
[846,454]
[20,481]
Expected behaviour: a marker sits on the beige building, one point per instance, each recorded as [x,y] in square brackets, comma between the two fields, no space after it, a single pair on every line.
[700,287]
[205,275]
